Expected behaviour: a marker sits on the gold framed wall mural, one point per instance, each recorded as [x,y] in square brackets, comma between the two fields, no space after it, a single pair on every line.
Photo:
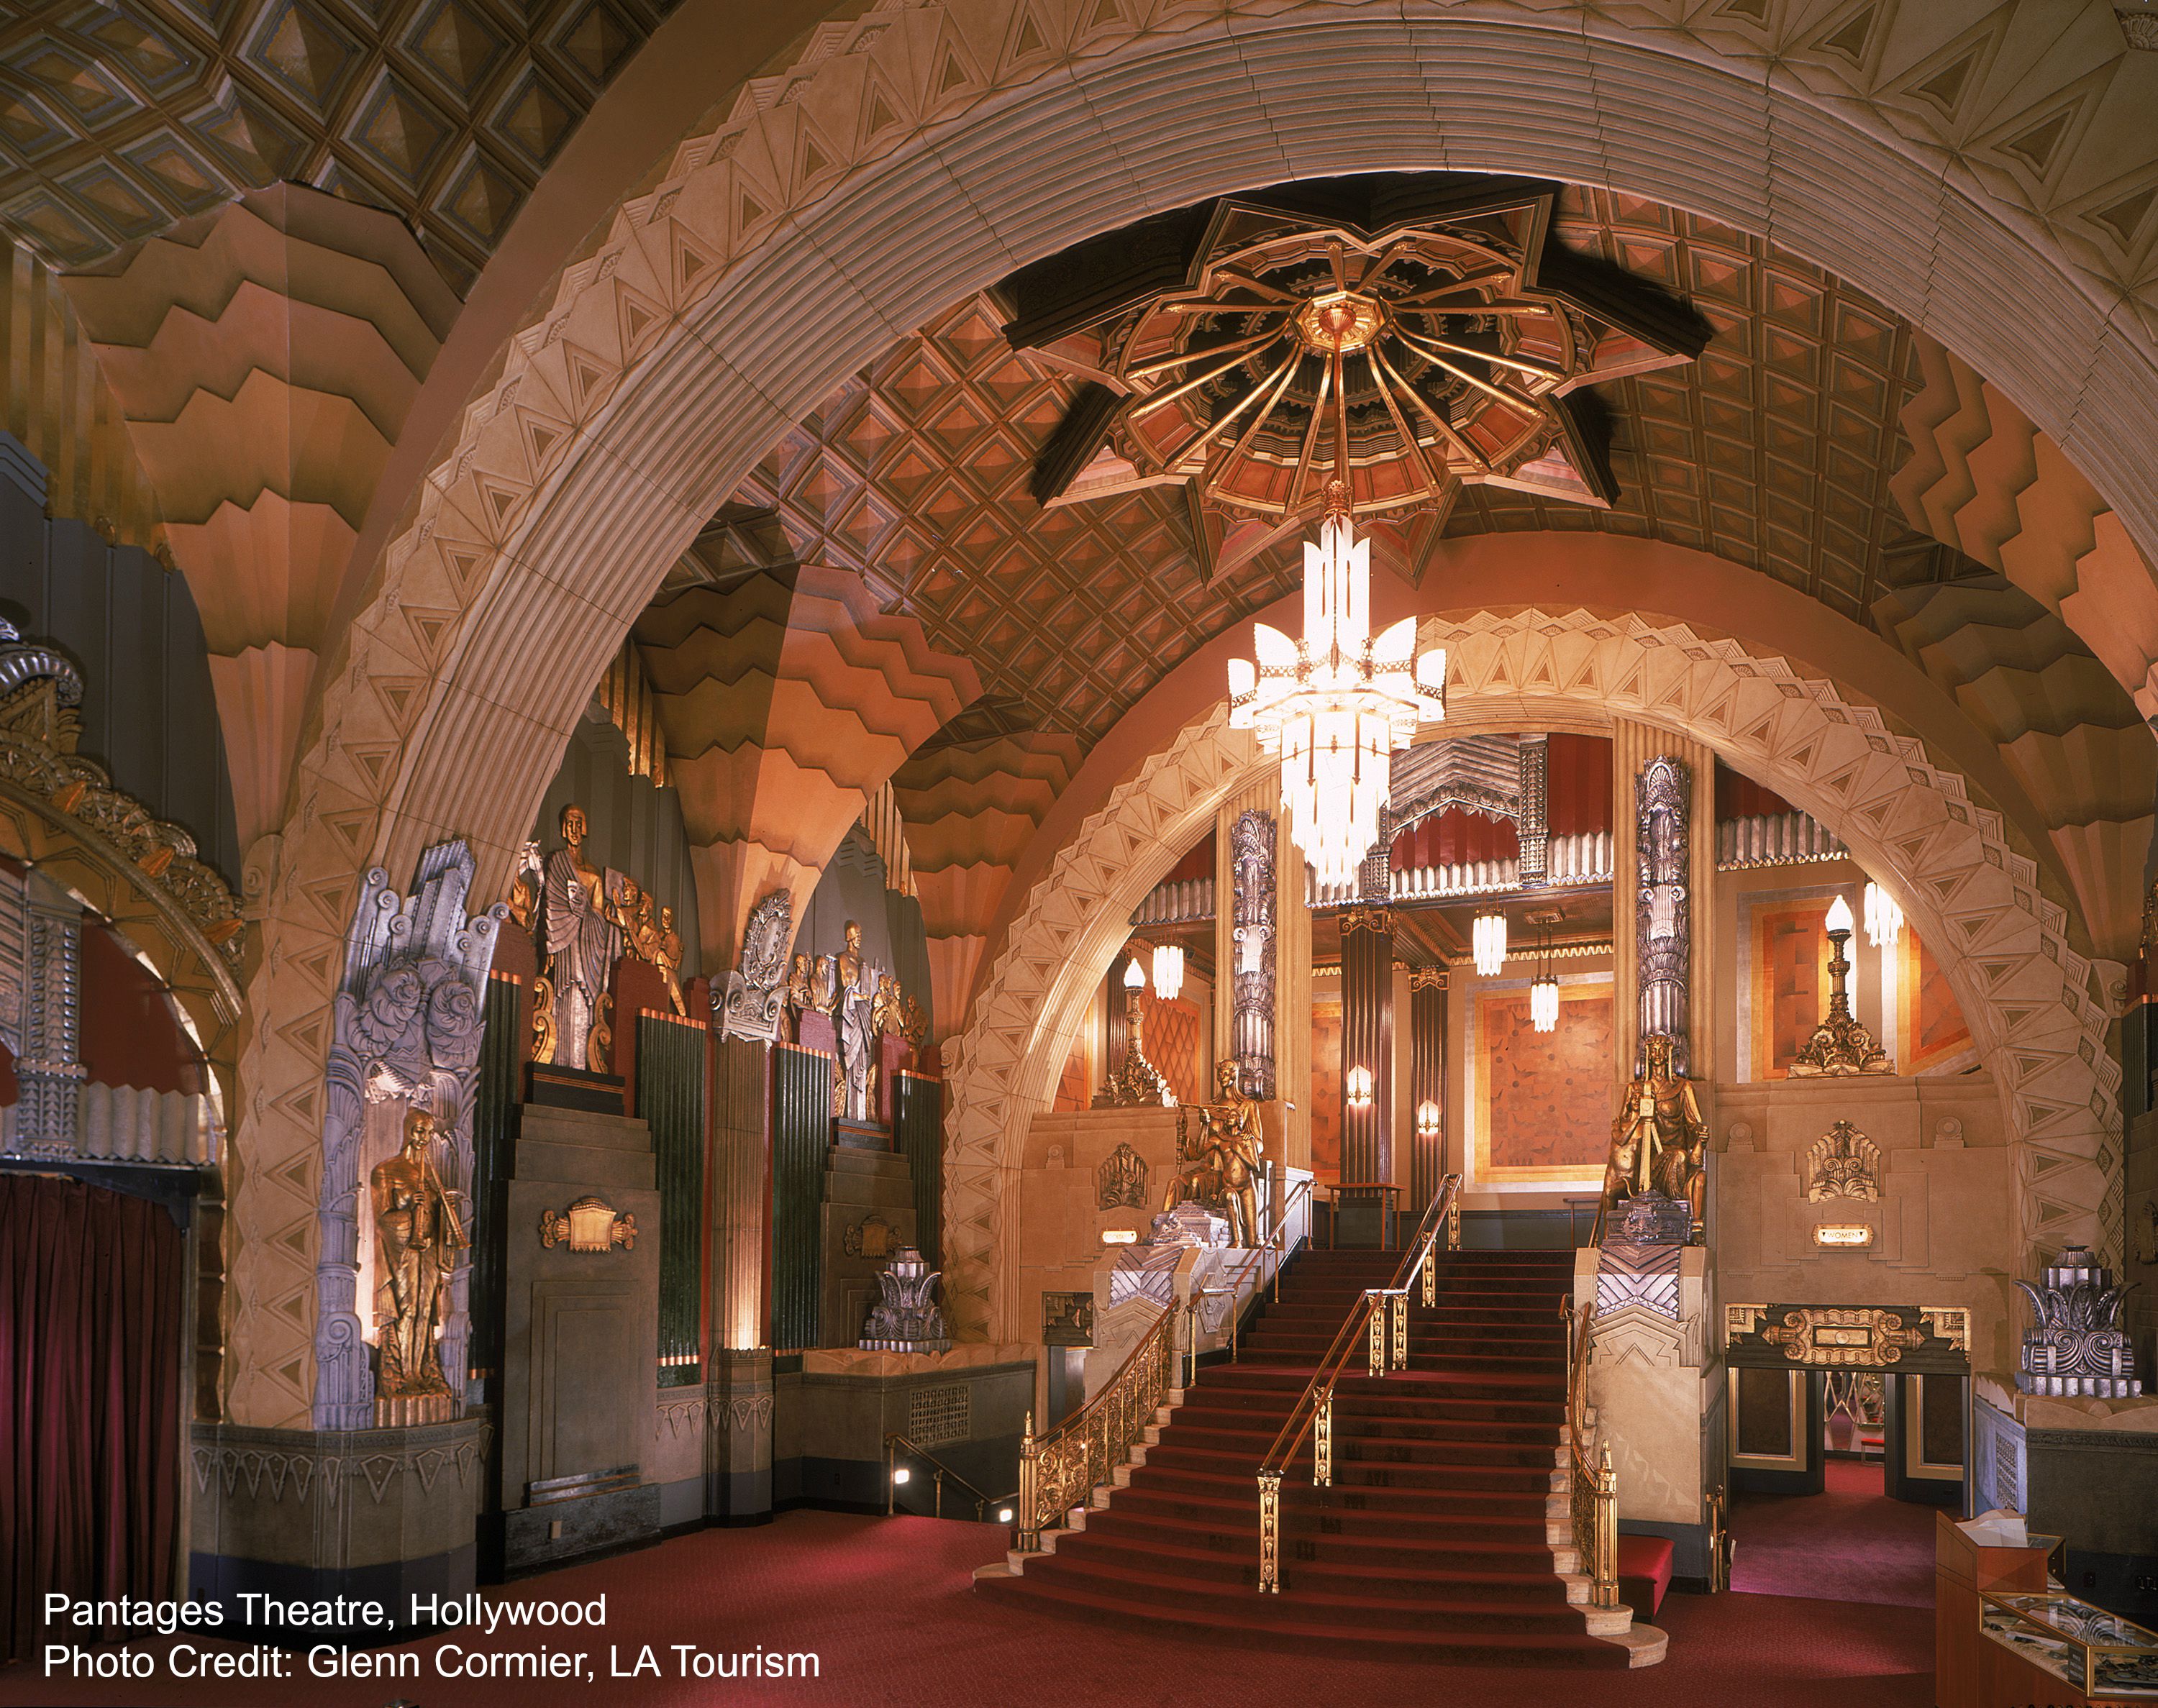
[1542,1109]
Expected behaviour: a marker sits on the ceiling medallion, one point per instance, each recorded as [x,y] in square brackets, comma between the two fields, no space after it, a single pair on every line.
[1461,350]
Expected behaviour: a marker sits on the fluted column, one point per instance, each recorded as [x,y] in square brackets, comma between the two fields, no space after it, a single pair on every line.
[1427,1084]
[1367,1041]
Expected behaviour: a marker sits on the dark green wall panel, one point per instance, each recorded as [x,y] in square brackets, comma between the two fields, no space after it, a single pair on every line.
[670,1097]
[801,1138]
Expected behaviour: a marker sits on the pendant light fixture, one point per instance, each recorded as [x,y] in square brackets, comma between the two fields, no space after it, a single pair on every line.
[1884,919]
[1168,970]
[1543,992]
[1335,704]
[1487,943]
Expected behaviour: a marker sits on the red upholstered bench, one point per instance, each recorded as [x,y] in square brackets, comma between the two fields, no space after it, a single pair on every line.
[1644,1573]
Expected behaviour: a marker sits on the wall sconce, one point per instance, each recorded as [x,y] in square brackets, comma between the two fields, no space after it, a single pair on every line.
[1120,1237]
[1428,1119]
[1843,1234]
[1358,1086]
[1884,919]
[1167,970]
[1488,943]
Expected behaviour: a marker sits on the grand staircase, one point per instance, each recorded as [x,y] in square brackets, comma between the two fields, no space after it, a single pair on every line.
[1446,1536]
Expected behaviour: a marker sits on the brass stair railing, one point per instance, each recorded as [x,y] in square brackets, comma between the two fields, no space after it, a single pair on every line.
[1379,1319]
[1269,1246]
[1063,1468]
[897,1446]
[1591,1485]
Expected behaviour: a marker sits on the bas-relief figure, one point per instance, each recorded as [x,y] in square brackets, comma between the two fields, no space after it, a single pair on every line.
[1658,1142]
[419,1232]
[1663,923]
[857,1040]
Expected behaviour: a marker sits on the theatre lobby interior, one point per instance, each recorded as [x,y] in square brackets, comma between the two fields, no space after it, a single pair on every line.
[953,852]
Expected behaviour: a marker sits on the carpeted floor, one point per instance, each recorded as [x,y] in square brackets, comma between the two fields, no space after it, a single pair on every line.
[888,1607]
[1850,1544]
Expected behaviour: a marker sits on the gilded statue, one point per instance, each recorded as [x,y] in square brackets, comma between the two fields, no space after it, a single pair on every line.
[887,1014]
[853,996]
[1658,1141]
[915,1023]
[1221,1166]
[800,999]
[418,1233]
[580,941]
[668,960]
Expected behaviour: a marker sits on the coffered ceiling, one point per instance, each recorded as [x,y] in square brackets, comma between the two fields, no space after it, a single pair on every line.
[1773,448]
[116,122]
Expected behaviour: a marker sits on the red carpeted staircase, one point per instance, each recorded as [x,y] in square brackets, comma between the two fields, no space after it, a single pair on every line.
[1445,1536]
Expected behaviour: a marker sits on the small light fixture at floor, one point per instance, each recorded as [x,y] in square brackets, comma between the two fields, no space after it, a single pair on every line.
[1884,919]
[1428,1119]
[1004,1514]
[1120,1237]
[1167,970]
[1830,1233]
[1488,941]
[1543,1004]
[1358,1084]
[900,1473]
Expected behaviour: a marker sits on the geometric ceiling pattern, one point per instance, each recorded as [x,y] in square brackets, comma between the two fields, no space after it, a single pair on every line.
[1777,448]
[115,123]
[1774,447]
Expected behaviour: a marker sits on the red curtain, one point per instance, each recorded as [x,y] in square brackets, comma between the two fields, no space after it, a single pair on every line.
[90,1369]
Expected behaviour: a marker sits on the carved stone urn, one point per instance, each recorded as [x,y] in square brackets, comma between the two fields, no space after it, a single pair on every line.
[908,1319]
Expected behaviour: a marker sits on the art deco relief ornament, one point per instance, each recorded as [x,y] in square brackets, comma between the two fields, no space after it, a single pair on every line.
[757,989]
[590,1225]
[1658,1141]
[907,1320]
[419,1232]
[1120,1183]
[1844,1162]
[2075,1343]
[1663,906]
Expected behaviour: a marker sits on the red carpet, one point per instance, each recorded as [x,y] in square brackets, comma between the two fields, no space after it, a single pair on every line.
[1434,1542]
[888,1606]
[1851,1544]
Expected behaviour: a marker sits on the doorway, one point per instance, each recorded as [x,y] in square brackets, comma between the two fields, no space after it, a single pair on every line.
[1833,1472]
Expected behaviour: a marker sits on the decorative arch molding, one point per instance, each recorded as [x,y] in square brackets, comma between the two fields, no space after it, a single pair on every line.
[2025,991]
[922,151]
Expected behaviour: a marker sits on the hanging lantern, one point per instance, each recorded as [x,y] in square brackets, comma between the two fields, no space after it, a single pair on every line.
[1488,943]
[1884,919]
[1543,1004]
[1167,970]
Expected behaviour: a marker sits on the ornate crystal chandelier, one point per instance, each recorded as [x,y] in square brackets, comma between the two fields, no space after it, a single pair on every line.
[1337,704]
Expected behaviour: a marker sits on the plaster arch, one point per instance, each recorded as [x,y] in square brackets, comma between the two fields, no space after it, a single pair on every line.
[2024,991]
[922,151]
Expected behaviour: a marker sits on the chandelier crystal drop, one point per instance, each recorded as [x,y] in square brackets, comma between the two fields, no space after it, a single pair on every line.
[1487,942]
[1335,704]
[1884,919]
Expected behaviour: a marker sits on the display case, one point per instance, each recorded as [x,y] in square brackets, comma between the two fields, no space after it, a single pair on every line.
[2087,1648]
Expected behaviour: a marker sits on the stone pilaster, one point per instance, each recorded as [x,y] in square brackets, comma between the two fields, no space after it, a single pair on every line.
[738,1438]
[1367,1041]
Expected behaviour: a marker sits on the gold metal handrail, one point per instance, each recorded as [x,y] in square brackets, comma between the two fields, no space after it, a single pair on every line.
[1312,1413]
[1065,1467]
[1592,1486]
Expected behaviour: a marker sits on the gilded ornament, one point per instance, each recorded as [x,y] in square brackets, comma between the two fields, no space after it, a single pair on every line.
[1827,1336]
[1840,1045]
[590,1225]
[1659,1140]
[1843,1164]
